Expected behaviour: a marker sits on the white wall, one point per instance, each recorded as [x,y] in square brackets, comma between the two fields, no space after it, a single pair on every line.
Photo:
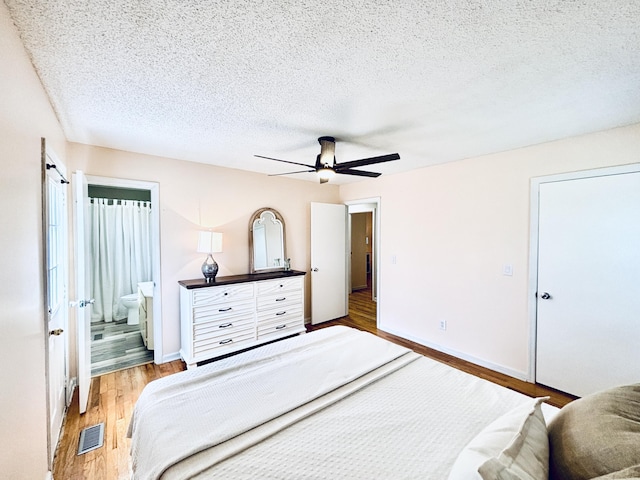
[452,227]
[194,195]
[25,117]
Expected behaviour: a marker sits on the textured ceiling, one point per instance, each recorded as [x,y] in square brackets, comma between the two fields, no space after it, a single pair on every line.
[219,81]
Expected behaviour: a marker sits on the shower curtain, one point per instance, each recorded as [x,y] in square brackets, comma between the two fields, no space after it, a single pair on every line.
[120,252]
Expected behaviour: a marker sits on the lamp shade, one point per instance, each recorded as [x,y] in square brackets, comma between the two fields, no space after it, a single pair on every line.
[209,242]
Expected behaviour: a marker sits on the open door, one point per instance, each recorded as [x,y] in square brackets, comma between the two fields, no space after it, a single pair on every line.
[83,288]
[56,281]
[328,262]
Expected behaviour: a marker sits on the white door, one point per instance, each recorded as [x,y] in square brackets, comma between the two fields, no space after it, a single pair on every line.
[588,302]
[328,262]
[83,290]
[57,259]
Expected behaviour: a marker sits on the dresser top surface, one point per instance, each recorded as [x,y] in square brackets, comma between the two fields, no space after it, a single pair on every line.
[231,279]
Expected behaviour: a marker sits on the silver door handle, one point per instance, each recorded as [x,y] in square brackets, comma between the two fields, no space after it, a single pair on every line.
[314,269]
[84,303]
[56,332]
[545,296]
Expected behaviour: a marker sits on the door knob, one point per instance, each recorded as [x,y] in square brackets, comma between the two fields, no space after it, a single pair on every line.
[314,269]
[545,296]
[56,332]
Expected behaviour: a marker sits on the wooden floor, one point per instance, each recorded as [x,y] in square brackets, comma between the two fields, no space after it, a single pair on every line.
[113,396]
[111,400]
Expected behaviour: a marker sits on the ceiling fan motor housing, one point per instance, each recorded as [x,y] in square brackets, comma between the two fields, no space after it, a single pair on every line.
[327,157]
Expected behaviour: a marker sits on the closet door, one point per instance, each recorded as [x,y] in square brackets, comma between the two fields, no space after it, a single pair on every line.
[588,300]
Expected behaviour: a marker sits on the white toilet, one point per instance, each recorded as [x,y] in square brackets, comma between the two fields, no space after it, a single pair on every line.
[130,302]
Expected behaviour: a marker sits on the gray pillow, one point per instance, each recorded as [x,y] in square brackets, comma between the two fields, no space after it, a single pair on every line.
[596,435]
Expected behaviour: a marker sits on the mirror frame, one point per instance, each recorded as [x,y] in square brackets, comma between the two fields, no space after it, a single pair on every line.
[256,216]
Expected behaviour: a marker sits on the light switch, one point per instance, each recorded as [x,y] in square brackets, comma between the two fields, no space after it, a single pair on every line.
[507,270]
[393,260]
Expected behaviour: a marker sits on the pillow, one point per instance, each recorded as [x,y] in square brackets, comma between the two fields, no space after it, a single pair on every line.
[513,447]
[597,435]
[626,474]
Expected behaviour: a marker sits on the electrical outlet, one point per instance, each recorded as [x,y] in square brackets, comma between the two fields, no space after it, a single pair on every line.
[443,324]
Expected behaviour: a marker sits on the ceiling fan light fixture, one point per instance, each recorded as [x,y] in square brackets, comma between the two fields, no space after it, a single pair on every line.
[326,173]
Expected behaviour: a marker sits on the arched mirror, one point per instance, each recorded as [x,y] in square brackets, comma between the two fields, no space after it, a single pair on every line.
[266,241]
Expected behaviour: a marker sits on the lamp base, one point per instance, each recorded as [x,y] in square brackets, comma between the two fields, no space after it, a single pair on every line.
[210,269]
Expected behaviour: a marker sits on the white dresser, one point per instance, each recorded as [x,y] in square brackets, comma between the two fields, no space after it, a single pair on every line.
[238,312]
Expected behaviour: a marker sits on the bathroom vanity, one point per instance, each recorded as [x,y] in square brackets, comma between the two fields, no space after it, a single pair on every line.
[237,312]
[145,313]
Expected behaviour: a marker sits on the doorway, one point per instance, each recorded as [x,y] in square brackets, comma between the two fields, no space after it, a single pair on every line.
[127,333]
[364,231]
[120,246]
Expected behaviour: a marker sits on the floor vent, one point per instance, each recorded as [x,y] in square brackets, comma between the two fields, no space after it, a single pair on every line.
[91,438]
[97,336]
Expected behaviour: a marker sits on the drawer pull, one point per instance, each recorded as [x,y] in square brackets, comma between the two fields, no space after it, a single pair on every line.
[281,299]
[228,340]
[281,313]
[225,309]
[225,325]
[280,327]
[226,293]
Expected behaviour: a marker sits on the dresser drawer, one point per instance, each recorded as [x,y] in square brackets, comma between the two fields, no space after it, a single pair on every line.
[223,293]
[212,347]
[270,287]
[280,315]
[281,328]
[223,311]
[280,300]
[224,328]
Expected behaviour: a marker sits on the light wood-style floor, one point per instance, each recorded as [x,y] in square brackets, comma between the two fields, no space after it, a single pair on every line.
[113,396]
[116,345]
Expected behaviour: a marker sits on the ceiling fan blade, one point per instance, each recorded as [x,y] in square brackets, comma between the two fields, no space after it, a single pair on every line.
[287,161]
[360,173]
[290,173]
[367,161]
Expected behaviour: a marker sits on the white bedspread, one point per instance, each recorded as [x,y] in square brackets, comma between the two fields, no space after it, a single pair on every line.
[189,413]
[390,417]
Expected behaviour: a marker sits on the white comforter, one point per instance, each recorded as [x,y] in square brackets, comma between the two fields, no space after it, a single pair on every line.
[336,403]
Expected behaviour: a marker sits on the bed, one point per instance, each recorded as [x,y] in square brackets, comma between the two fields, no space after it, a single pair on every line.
[335,403]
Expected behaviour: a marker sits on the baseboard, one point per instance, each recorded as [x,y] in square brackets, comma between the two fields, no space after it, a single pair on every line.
[171,357]
[461,355]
